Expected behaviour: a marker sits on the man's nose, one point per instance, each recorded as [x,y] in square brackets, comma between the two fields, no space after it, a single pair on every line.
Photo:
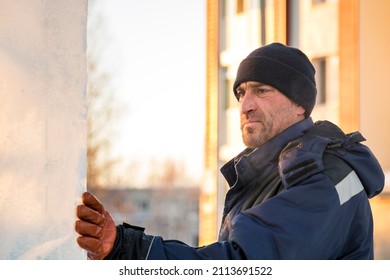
[247,103]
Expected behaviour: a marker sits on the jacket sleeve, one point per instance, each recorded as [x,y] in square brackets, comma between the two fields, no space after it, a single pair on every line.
[133,244]
[173,249]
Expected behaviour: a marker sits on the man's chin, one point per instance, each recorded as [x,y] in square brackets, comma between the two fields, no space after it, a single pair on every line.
[251,140]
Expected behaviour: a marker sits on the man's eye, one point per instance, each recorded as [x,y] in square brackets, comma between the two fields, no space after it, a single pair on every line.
[240,94]
[263,90]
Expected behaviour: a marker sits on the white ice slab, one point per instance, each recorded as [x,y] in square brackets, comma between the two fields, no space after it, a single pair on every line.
[42,127]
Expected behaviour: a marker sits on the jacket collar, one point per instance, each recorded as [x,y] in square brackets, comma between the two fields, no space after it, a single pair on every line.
[246,164]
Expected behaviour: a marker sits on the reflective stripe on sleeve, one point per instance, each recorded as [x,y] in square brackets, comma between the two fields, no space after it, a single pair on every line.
[348,187]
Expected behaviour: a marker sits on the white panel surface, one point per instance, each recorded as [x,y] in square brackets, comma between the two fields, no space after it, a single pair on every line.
[42,127]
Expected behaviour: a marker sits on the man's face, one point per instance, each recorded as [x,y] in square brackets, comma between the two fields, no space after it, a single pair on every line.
[265,112]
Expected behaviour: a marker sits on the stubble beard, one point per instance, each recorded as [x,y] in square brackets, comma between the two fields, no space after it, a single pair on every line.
[255,137]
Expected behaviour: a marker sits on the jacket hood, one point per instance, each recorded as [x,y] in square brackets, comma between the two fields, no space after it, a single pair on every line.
[326,137]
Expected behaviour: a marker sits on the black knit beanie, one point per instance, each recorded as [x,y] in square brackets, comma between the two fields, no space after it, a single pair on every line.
[285,68]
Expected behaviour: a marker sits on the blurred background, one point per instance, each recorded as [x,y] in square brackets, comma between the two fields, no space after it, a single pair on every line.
[163,120]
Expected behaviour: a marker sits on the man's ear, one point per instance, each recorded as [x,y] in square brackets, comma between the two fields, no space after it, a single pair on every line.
[300,110]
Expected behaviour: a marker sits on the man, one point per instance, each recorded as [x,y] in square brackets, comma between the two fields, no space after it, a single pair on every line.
[299,191]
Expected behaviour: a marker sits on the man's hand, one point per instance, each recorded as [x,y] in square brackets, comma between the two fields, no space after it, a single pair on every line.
[96,227]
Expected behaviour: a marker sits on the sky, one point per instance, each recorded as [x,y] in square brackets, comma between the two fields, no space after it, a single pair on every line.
[155,52]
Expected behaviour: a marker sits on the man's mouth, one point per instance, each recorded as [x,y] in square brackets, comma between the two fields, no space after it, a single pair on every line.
[250,123]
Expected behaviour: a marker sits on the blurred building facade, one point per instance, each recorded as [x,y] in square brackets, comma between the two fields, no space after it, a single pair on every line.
[347,41]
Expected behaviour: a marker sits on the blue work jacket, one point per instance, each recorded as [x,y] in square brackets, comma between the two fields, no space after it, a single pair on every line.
[302,195]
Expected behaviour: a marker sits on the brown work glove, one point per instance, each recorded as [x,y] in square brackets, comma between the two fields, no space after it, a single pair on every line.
[96,227]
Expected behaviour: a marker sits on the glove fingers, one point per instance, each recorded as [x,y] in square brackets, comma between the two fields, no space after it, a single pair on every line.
[91,201]
[88,229]
[92,245]
[89,215]
[96,227]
